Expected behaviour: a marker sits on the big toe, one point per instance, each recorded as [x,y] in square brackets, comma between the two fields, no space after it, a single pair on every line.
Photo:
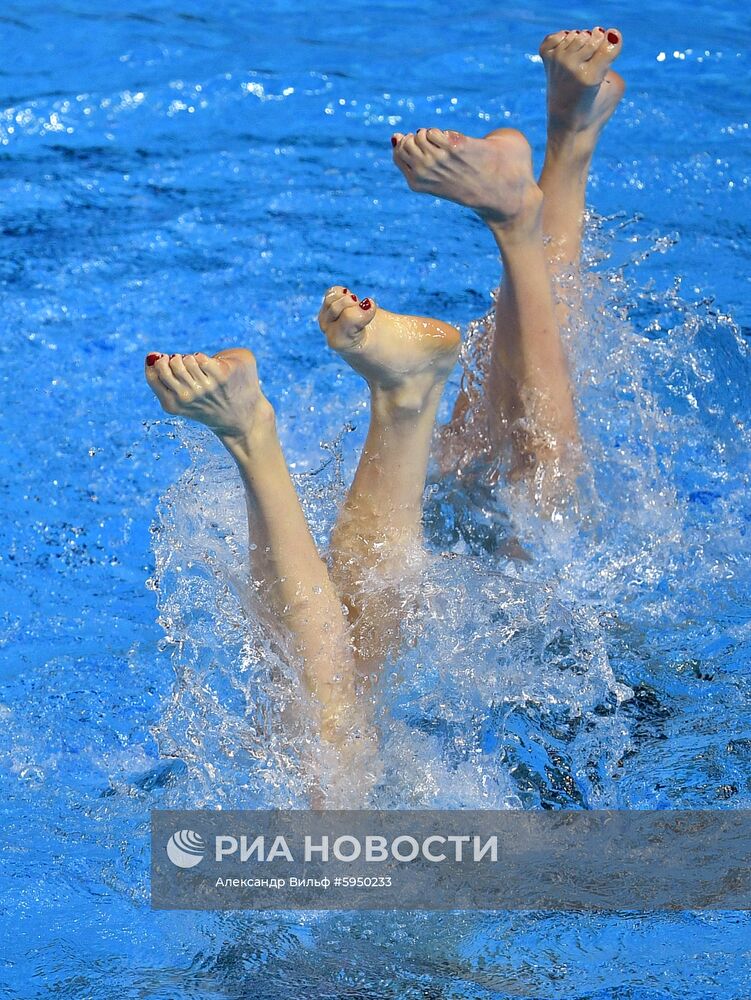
[610,46]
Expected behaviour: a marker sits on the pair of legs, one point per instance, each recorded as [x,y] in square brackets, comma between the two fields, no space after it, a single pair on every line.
[338,621]
[341,620]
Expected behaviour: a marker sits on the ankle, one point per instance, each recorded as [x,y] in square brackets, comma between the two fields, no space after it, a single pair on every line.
[571,147]
[405,403]
[525,225]
[247,443]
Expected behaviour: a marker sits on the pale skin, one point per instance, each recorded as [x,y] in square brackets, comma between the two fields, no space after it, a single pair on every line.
[223,393]
[583,92]
[405,361]
[341,619]
[338,628]
[529,407]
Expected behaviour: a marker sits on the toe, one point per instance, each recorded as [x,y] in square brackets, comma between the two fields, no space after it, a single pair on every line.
[406,151]
[165,374]
[595,39]
[194,370]
[579,41]
[437,137]
[422,143]
[335,301]
[181,373]
[347,332]
[601,52]
[551,42]
[339,305]
[592,40]
[615,41]
[572,41]
[202,360]
[609,47]
[214,368]
[335,293]
[151,366]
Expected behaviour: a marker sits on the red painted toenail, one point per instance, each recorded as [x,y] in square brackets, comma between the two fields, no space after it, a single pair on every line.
[151,359]
[172,356]
[354,298]
[612,38]
[394,140]
[599,28]
[345,291]
[366,304]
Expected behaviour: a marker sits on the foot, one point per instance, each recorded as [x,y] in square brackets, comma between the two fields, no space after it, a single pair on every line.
[583,91]
[407,358]
[492,176]
[222,392]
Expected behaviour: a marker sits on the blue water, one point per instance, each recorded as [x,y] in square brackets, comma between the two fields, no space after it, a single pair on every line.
[187,178]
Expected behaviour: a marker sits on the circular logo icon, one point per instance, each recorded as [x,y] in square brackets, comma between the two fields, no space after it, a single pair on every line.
[185,848]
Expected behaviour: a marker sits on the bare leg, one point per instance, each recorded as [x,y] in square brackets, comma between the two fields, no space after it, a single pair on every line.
[405,360]
[583,93]
[223,393]
[529,404]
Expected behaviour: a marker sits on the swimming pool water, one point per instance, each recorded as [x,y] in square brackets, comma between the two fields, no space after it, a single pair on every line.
[180,178]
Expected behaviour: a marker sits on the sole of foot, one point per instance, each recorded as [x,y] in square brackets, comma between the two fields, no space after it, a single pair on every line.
[222,392]
[583,91]
[492,176]
[408,358]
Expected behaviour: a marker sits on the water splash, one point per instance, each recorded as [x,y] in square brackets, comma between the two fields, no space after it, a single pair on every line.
[515,682]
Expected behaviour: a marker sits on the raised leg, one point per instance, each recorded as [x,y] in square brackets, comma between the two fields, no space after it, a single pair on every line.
[293,583]
[529,410]
[405,360]
[582,94]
